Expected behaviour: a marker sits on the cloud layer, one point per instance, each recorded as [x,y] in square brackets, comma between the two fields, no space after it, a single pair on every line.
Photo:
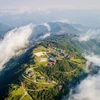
[48,26]
[89,88]
[93,58]
[91,34]
[15,40]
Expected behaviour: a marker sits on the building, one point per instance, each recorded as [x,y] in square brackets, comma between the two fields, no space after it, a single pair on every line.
[59,87]
[51,63]
[52,60]
[42,77]
[49,80]
[29,72]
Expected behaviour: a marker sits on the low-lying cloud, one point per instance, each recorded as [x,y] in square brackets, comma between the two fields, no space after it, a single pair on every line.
[15,40]
[45,36]
[48,26]
[89,88]
[64,21]
[93,58]
[91,34]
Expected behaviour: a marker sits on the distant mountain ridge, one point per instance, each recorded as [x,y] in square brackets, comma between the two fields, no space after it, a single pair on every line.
[61,38]
[63,28]
[53,28]
[80,27]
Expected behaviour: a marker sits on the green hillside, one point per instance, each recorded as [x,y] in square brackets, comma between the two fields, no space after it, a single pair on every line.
[47,71]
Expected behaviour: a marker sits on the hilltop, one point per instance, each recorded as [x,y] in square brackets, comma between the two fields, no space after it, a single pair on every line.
[46,71]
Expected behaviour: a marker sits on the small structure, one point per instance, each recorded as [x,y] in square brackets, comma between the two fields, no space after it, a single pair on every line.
[43,59]
[71,56]
[59,87]
[48,45]
[47,51]
[55,54]
[61,50]
[38,54]
[29,72]
[52,60]
[42,77]
[51,63]
[34,80]
[49,80]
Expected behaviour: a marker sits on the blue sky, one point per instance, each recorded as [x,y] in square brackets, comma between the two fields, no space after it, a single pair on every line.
[20,12]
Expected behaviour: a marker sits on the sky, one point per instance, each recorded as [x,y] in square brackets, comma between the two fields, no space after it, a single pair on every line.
[49,4]
[20,12]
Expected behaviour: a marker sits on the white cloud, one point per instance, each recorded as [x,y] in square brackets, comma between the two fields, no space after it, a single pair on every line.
[84,38]
[91,34]
[45,35]
[64,21]
[15,40]
[89,88]
[93,58]
[48,26]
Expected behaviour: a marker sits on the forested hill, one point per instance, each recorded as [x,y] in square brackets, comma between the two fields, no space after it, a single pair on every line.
[46,71]
[72,42]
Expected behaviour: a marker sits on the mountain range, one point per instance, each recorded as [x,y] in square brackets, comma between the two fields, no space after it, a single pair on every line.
[46,62]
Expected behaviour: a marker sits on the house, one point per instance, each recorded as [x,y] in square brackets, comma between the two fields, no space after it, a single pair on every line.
[48,45]
[49,80]
[51,63]
[29,72]
[52,60]
[42,77]
[71,56]
[56,54]
[61,50]
[59,87]
[47,51]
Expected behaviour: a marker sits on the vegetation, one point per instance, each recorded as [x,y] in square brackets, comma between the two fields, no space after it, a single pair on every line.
[47,71]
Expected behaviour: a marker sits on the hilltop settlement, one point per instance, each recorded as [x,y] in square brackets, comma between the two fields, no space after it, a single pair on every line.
[50,70]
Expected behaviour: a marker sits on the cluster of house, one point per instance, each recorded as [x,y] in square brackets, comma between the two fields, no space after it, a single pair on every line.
[51,62]
[54,55]
[30,73]
[59,52]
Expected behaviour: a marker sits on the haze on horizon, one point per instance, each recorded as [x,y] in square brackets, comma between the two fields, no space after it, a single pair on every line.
[21,12]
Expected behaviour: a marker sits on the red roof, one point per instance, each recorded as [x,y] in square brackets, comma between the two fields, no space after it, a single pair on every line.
[51,63]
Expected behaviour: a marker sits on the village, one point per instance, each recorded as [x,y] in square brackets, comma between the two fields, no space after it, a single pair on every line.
[47,57]
[50,55]
[34,80]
